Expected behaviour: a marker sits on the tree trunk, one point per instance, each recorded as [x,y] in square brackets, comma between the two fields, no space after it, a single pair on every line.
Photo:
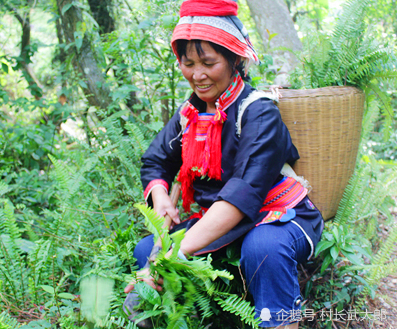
[273,16]
[102,13]
[95,89]
[34,84]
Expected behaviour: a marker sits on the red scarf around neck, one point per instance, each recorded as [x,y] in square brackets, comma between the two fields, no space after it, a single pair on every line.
[203,156]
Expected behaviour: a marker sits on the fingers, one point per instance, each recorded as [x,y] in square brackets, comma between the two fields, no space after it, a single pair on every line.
[151,283]
[171,211]
[129,288]
[144,275]
[174,214]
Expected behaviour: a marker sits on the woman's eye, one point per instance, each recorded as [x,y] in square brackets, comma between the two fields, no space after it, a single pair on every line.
[209,64]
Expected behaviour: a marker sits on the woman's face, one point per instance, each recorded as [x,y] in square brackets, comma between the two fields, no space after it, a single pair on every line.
[209,75]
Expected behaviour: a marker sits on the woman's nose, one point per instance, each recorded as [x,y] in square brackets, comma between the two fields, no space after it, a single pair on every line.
[199,74]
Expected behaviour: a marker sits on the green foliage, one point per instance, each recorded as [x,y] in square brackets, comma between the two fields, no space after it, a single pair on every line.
[190,287]
[70,171]
[351,55]
[7,322]
[96,294]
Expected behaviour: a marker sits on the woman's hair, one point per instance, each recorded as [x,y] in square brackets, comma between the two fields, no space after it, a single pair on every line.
[226,53]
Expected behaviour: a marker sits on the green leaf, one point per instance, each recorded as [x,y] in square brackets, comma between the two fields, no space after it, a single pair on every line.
[326,263]
[271,36]
[323,245]
[83,84]
[66,8]
[38,324]
[96,293]
[78,39]
[48,289]
[4,66]
[353,258]
[335,232]
[66,295]
[148,293]
[334,253]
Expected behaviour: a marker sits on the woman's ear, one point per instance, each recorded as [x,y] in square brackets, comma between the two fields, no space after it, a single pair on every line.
[236,63]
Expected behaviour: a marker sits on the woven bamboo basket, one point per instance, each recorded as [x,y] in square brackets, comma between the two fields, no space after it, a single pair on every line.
[325,126]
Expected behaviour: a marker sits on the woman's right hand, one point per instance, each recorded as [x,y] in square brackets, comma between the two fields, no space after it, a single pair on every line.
[162,205]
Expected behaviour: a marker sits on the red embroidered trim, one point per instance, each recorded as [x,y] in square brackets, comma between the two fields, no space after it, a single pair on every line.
[285,195]
[212,34]
[152,184]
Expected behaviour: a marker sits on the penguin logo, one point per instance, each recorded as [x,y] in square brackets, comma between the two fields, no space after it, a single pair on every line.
[265,314]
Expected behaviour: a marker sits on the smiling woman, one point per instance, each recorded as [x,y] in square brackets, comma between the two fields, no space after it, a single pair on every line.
[230,146]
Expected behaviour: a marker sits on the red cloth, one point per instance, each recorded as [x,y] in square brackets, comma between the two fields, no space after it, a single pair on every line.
[208,33]
[203,158]
[208,8]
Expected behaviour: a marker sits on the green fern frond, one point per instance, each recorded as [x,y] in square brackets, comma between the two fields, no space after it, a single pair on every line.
[12,268]
[383,255]
[155,225]
[385,75]
[140,143]
[61,174]
[78,179]
[350,22]
[7,322]
[370,116]
[346,205]
[387,110]
[4,188]
[204,304]
[236,305]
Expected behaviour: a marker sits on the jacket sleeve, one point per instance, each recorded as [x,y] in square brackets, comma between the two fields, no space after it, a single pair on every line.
[264,146]
[163,159]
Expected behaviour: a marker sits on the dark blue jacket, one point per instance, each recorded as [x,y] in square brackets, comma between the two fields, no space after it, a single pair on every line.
[251,165]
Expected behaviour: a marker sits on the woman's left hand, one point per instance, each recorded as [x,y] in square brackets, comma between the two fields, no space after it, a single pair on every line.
[145,276]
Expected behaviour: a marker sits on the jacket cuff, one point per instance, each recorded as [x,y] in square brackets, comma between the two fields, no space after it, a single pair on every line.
[241,195]
[152,185]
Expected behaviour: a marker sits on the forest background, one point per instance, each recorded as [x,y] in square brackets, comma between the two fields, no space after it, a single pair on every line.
[84,87]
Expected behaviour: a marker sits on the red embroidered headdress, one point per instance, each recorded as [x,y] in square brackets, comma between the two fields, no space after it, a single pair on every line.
[215,21]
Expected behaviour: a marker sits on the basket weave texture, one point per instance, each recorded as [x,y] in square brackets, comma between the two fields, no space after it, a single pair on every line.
[325,126]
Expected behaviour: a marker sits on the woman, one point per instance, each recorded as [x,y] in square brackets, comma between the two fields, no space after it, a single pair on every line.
[237,141]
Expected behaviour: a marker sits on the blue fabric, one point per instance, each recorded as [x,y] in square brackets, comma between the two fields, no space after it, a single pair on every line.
[142,250]
[269,257]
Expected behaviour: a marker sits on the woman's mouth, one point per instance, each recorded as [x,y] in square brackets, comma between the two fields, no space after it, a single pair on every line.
[203,87]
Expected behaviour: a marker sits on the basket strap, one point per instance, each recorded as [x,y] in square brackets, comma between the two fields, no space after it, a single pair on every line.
[252,97]
[289,172]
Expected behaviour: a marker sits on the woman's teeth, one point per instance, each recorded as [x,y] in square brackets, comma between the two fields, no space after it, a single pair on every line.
[203,86]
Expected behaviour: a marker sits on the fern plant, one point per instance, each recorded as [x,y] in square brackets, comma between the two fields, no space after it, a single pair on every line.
[349,56]
[13,272]
[192,288]
[7,322]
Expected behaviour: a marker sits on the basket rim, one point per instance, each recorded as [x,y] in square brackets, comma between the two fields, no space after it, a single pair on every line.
[320,92]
